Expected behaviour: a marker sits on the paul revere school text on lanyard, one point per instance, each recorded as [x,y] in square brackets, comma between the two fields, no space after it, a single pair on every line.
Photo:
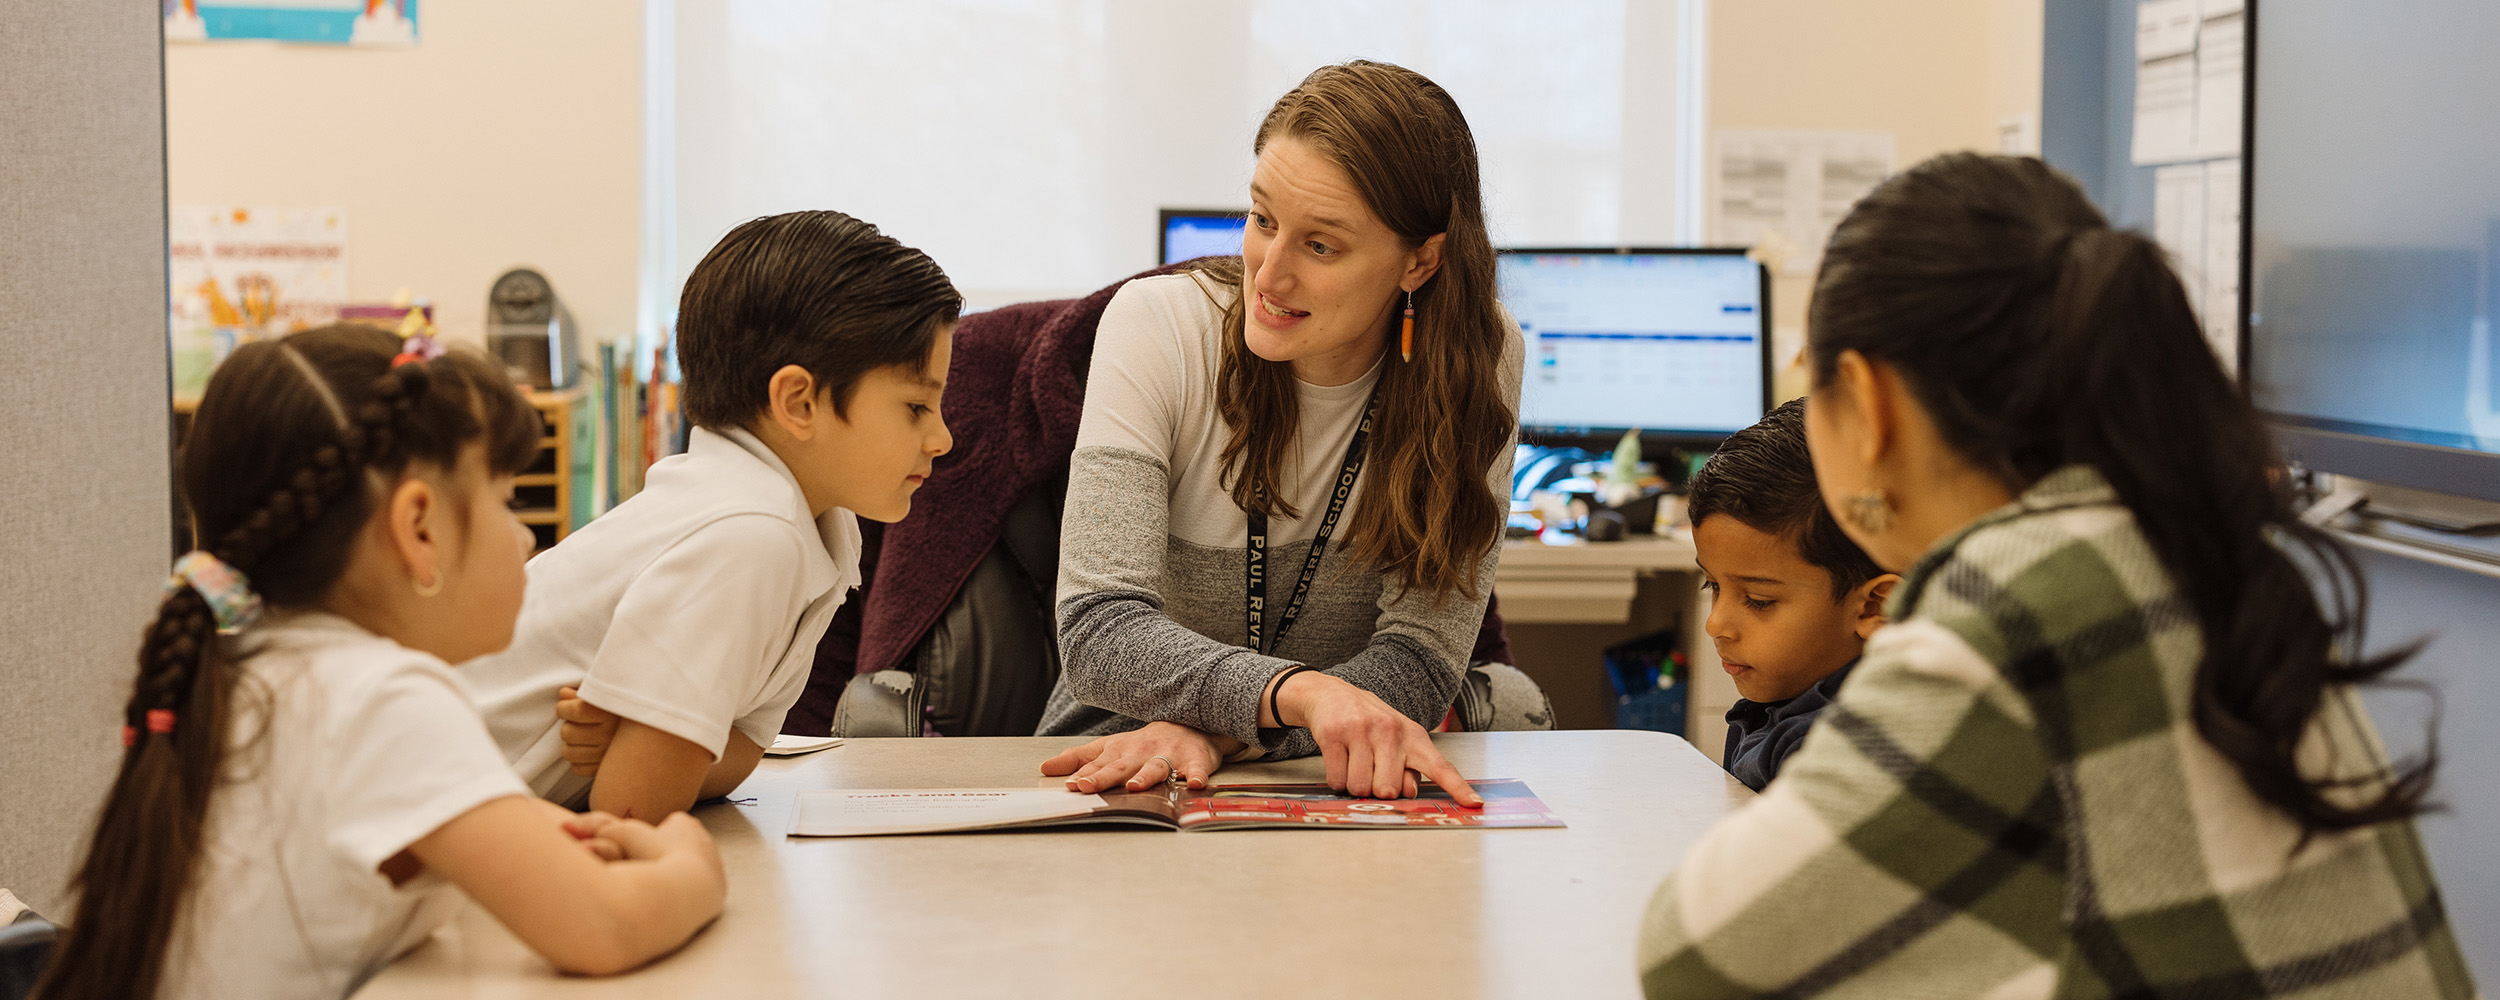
[1344,488]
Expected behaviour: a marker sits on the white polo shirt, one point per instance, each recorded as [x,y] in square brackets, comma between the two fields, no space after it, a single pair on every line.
[693,608]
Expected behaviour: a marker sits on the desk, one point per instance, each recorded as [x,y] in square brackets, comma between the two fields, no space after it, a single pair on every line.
[1576,581]
[1493,913]
[1595,587]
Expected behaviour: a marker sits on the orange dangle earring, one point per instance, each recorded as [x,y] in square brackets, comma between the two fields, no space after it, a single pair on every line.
[1406,331]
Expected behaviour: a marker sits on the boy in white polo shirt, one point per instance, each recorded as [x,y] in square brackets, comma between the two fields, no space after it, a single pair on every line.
[814,350]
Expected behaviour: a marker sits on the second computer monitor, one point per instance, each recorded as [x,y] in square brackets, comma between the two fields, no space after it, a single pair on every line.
[1190,233]
[1674,342]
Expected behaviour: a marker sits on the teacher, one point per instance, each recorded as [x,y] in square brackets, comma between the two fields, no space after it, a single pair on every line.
[1289,485]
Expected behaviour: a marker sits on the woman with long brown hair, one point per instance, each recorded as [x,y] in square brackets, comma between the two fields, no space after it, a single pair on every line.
[1289,485]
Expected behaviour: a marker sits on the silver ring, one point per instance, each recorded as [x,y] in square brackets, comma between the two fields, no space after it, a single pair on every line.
[1170,773]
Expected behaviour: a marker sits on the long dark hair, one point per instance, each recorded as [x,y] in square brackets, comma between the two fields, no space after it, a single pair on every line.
[2038,336]
[1445,418]
[280,473]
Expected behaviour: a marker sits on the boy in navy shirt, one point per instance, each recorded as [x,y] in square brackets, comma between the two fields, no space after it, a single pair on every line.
[1792,600]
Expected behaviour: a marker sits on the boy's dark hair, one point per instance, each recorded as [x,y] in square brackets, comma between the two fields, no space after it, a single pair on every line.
[1763,477]
[820,290]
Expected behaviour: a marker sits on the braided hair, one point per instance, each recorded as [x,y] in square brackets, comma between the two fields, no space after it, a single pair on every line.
[294,442]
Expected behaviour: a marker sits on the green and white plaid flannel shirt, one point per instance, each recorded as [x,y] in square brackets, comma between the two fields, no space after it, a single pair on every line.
[2010,799]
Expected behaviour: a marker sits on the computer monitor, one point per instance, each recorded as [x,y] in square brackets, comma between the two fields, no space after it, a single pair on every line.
[1190,233]
[2371,257]
[1674,342]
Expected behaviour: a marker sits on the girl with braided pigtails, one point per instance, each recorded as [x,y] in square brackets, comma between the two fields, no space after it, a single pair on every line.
[305,790]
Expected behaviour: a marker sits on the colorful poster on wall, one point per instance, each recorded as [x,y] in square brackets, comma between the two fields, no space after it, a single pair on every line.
[242,274]
[323,22]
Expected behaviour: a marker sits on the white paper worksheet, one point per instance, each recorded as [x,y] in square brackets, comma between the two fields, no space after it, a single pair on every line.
[1792,186]
[2221,58]
[2222,261]
[786,745]
[2165,81]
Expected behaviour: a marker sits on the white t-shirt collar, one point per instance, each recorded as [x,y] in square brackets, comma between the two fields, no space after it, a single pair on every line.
[838,528]
[1357,389]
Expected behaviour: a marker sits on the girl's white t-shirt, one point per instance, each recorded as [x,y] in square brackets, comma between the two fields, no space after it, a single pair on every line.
[346,748]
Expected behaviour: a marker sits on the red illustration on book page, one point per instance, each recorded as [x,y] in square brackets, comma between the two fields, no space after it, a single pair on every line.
[1506,803]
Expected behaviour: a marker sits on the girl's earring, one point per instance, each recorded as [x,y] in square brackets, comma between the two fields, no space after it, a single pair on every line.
[429,588]
[1406,331]
[1870,511]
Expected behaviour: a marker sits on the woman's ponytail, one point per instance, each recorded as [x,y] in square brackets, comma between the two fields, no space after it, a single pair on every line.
[2038,336]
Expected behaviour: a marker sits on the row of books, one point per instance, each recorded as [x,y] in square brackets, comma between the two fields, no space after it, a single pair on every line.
[639,421]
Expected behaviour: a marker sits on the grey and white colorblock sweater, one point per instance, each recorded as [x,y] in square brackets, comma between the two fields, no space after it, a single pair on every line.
[1151,580]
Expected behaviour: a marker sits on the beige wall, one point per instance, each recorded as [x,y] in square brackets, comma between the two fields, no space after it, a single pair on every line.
[511,135]
[1937,74]
[2015,38]
[1940,75]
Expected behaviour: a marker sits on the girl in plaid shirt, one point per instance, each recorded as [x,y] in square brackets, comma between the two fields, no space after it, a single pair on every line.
[2110,746]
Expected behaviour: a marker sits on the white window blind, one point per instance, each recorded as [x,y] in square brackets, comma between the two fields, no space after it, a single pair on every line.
[1027,144]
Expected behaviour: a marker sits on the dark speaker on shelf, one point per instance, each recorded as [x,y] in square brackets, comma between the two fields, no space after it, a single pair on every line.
[531,331]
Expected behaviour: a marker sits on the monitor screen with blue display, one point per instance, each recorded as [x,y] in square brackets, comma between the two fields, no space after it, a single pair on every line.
[1190,233]
[1674,342]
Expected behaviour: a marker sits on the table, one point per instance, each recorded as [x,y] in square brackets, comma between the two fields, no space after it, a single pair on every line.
[1104,913]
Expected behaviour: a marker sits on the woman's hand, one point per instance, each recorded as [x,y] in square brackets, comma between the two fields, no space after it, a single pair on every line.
[1371,749]
[1128,759]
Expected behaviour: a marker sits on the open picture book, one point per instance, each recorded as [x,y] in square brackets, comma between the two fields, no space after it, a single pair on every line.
[868,812]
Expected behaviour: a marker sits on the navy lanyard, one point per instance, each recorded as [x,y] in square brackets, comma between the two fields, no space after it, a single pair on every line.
[1319,542]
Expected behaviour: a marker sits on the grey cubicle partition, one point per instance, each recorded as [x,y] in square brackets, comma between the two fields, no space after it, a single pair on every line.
[84,403]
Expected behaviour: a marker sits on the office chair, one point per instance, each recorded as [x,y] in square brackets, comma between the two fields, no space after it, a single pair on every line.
[988,664]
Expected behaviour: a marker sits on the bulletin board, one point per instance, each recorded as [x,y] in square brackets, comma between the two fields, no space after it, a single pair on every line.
[2142,102]
[2190,60]
[240,274]
[320,22]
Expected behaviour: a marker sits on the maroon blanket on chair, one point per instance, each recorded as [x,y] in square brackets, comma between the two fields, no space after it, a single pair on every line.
[1015,390]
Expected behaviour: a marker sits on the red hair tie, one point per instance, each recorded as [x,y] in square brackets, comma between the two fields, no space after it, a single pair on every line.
[160,720]
[130,736]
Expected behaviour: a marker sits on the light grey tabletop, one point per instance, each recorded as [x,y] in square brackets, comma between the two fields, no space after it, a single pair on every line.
[1109,913]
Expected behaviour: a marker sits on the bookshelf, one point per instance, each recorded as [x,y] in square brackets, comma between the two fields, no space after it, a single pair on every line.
[550,497]
[543,495]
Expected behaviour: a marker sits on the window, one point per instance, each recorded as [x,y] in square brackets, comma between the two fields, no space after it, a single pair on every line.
[1028,144]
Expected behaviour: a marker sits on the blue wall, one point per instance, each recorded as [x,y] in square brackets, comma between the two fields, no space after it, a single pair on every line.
[2087,105]
[2455,611]
[2086,123]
